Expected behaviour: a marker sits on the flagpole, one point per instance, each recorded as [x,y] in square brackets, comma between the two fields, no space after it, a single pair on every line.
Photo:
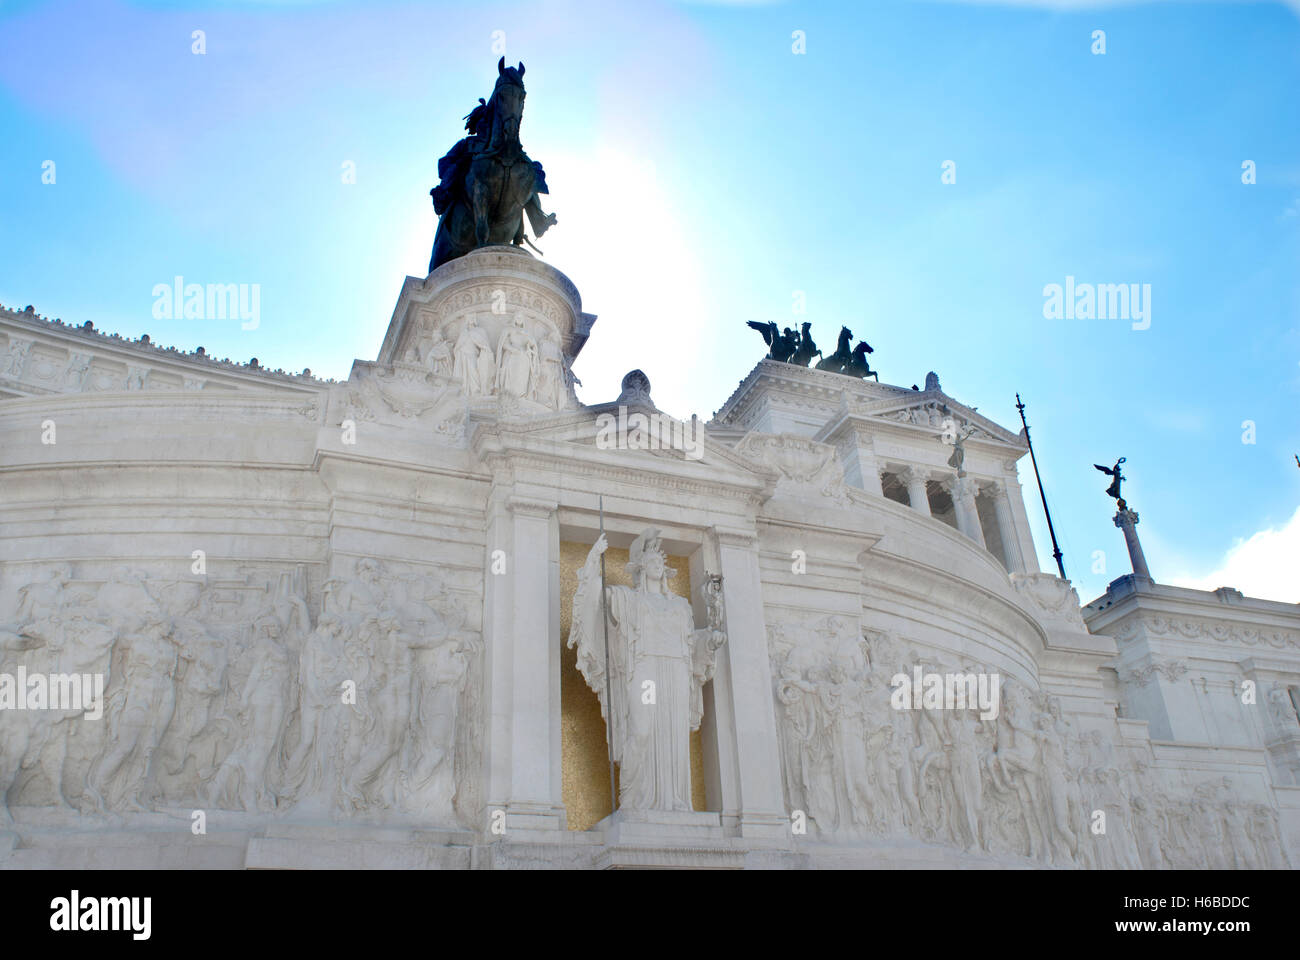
[609,702]
[1056,550]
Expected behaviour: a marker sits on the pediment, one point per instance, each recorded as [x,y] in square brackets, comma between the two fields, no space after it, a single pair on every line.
[637,437]
[930,411]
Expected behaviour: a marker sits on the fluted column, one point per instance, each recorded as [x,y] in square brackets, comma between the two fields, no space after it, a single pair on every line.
[963,500]
[1007,529]
[915,480]
[1020,520]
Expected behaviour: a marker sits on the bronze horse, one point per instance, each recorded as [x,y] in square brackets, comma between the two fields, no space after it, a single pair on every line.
[488,182]
[851,363]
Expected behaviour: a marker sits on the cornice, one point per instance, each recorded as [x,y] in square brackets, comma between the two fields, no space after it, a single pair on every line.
[531,507]
[86,336]
[537,439]
[856,403]
[194,405]
[1225,630]
[515,460]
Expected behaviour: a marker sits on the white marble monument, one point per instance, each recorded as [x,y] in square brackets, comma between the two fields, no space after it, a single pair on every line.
[361,623]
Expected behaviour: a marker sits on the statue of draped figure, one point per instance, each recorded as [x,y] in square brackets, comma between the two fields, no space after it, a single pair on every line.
[659,663]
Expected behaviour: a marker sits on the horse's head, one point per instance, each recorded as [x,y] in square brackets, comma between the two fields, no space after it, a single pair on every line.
[508,98]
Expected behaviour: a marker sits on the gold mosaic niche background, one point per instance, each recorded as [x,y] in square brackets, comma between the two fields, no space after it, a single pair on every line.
[584,758]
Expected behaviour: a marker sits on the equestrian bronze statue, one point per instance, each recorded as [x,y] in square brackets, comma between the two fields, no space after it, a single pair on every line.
[487,182]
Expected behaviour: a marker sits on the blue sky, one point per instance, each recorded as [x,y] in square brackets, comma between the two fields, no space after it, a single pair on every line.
[702,172]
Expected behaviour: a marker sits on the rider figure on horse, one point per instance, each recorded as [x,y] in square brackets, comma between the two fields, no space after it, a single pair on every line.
[487,180]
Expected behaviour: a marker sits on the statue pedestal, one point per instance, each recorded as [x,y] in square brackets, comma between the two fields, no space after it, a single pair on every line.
[655,826]
[357,847]
[666,839]
[492,289]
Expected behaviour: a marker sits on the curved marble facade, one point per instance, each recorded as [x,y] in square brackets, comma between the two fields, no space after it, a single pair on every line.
[327,616]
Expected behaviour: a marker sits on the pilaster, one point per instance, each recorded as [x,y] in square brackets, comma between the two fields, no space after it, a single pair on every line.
[749,755]
[522,638]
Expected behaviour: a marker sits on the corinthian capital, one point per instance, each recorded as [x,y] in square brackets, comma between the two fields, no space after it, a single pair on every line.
[964,488]
[911,475]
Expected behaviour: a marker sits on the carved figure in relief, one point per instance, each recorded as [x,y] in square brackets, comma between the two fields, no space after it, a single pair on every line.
[441,673]
[245,776]
[203,709]
[74,377]
[1237,823]
[1282,709]
[1014,762]
[473,358]
[438,357]
[194,731]
[51,633]
[802,757]
[1268,837]
[312,768]
[14,358]
[139,704]
[1149,826]
[516,360]
[885,756]
[551,385]
[1058,809]
[841,702]
[964,768]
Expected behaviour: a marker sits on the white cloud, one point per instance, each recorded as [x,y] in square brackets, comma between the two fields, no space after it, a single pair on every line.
[1265,566]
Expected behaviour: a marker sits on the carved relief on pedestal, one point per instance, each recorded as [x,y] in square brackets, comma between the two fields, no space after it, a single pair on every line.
[807,468]
[554,377]
[475,365]
[500,339]
[105,379]
[1282,710]
[1141,675]
[516,361]
[821,674]
[14,358]
[1217,630]
[43,368]
[1025,783]
[74,376]
[226,695]
[1052,597]
[399,394]
[136,377]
